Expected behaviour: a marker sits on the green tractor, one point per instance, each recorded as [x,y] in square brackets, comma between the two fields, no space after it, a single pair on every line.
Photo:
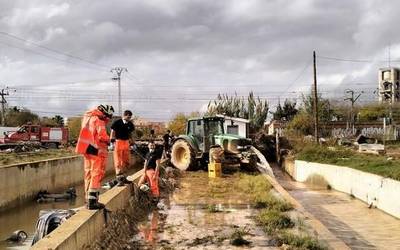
[191,151]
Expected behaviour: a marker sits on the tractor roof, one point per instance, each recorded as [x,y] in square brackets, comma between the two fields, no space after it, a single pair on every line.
[206,118]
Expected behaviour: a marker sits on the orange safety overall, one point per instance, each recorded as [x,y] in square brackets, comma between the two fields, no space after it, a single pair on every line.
[151,176]
[94,135]
[121,156]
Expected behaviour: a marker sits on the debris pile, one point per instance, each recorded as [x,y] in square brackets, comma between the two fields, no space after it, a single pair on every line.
[123,225]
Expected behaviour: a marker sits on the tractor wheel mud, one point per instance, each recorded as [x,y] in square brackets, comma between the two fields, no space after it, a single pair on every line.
[182,155]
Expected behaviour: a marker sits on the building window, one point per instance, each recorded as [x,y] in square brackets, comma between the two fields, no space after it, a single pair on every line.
[233,129]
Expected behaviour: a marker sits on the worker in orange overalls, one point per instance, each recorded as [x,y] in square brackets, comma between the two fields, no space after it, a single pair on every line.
[93,145]
[151,171]
[121,136]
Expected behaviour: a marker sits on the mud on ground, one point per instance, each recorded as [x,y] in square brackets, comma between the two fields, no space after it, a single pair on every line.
[205,213]
[196,212]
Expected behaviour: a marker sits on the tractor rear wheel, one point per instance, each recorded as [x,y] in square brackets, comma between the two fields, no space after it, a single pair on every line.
[182,155]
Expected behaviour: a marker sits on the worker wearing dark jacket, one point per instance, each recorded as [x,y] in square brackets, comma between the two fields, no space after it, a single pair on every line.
[151,170]
[121,135]
[166,143]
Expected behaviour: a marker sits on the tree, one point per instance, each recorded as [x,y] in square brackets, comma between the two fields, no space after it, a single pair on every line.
[47,122]
[138,133]
[59,120]
[325,112]
[16,117]
[253,109]
[74,127]
[178,124]
[285,113]
[302,123]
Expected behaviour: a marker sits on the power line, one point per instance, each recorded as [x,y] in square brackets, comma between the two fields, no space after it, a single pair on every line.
[48,56]
[50,84]
[297,77]
[354,60]
[54,50]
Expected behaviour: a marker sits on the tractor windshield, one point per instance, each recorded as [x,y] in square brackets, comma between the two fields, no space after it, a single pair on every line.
[215,127]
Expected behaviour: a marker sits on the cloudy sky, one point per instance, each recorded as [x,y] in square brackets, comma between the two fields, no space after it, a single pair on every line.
[57,55]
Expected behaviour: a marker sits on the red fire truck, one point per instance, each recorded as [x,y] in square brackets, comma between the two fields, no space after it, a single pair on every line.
[51,137]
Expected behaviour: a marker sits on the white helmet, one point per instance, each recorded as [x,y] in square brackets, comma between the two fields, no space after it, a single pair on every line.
[108,110]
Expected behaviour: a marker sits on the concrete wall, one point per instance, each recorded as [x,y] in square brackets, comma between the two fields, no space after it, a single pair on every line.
[21,182]
[381,192]
[87,225]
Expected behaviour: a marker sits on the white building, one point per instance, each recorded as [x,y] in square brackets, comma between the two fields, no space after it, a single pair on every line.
[236,126]
[389,89]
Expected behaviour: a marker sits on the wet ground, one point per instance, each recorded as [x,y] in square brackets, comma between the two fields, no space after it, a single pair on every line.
[347,218]
[203,214]
[24,217]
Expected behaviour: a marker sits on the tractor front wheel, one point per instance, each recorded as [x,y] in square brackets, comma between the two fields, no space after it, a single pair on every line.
[182,155]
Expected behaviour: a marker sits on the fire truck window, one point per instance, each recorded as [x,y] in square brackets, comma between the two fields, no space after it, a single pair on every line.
[34,129]
[22,130]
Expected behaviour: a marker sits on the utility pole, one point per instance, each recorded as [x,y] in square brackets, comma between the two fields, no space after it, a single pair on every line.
[352,99]
[3,93]
[316,126]
[118,71]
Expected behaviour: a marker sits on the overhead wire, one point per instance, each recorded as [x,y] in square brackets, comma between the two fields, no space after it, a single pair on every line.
[297,77]
[354,60]
[48,56]
[54,50]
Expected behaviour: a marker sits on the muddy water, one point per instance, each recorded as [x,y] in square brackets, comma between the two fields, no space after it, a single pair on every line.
[349,219]
[24,217]
[203,214]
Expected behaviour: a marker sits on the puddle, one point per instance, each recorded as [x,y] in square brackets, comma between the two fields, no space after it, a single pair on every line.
[24,217]
[203,214]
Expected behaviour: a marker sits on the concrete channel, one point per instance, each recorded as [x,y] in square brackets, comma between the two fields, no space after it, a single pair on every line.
[85,227]
[348,218]
[20,211]
[343,221]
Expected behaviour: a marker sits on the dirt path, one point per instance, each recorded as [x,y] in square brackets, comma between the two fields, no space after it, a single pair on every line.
[204,214]
[347,218]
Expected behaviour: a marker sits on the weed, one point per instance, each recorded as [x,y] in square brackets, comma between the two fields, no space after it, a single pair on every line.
[237,239]
[253,184]
[300,242]
[212,208]
[273,221]
[300,224]
[375,164]
[271,202]
[14,158]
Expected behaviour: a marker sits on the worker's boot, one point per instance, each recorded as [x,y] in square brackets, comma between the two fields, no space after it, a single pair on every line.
[93,201]
[122,180]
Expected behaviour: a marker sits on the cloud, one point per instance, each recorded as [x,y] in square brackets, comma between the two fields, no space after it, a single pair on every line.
[180,54]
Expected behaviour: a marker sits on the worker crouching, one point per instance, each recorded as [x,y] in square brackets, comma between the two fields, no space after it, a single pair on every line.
[93,145]
[151,171]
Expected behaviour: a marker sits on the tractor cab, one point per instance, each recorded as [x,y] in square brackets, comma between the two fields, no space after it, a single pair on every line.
[204,130]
